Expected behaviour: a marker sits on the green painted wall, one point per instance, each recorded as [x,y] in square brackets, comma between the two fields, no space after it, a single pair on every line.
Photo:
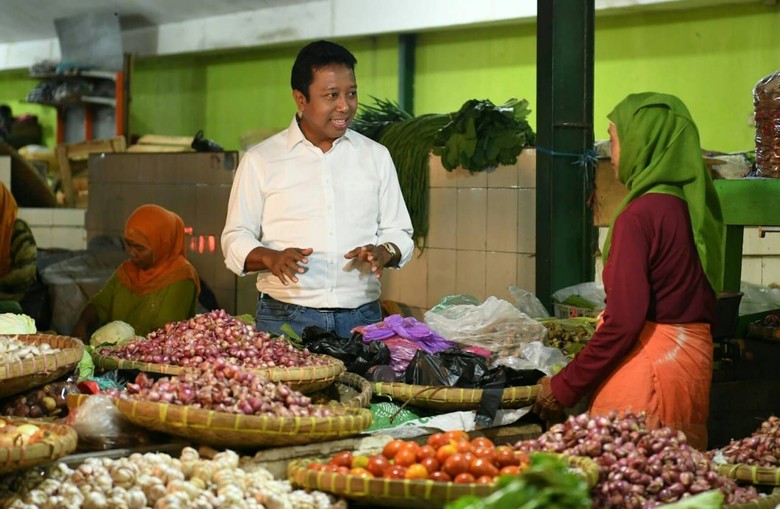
[14,86]
[710,57]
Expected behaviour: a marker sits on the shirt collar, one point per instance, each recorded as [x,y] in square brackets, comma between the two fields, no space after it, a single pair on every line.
[295,135]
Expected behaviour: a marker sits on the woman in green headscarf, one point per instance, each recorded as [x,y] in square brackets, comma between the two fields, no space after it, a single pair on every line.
[663,265]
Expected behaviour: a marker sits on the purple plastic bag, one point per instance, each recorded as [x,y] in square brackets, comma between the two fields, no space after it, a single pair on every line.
[407,328]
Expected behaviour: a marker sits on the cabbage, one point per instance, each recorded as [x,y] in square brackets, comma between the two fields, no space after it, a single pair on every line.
[113,332]
[12,323]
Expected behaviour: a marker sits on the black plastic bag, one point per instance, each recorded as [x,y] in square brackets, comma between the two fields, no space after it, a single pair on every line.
[356,355]
[451,368]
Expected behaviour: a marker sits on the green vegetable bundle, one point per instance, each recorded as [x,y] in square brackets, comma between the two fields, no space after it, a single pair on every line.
[546,483]
[482,135]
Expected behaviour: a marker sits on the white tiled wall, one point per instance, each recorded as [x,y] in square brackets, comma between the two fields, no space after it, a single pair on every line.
[481,237]
[56,227]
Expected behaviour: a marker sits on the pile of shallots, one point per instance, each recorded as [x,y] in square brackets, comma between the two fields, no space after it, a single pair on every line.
[213,337]
[762,448]
[640,468]
[226,389]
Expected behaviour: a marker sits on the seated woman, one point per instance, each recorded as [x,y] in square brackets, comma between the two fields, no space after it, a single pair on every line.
[18,254]
[157,285]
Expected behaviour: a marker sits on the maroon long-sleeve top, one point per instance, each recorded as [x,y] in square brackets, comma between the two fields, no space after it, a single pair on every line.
[653,274]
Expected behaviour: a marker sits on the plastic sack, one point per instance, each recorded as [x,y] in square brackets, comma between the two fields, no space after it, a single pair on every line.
[758,299]
[408,328]
[448,301]
[535,355]
[590,291]
[528,303]
[450,369]
[496,325]
[766,101]
[356,355]
[100,426]
[402,351]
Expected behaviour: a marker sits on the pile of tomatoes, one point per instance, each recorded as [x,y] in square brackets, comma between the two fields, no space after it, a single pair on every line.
[446,457]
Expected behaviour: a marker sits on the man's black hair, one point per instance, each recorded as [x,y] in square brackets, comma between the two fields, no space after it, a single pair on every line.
[315,56]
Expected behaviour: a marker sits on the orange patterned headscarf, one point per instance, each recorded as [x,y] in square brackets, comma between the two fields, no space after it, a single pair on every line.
[9,209]
[161,231]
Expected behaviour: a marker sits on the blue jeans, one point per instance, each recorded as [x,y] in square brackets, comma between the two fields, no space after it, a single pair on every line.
[272,314]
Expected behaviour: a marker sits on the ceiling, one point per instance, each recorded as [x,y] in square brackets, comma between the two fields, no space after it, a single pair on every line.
[30,20]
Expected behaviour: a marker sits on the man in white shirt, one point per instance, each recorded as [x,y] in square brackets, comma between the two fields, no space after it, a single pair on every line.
[316,210]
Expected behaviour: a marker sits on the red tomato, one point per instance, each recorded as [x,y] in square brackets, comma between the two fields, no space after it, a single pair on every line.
[430,464]
[444,452]
[405,457]
[506,456]
[411,446]
[456,464]
[481,467]
[416,471]
[440,476]
[392,447]
[315,466]
[377,465]
[482,442]
[464,478]
[342,459]
[437,440]
[361,472]
[463,446]
[457,435]
[485,479]
[509,470]
[489,453]
[394,472]
[426,451]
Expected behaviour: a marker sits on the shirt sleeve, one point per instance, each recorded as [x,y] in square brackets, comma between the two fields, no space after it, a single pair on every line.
[628,297]
[395,225]
[243,224]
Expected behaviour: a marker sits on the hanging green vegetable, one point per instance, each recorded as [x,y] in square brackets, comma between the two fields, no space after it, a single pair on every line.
[372,120]
[481,135]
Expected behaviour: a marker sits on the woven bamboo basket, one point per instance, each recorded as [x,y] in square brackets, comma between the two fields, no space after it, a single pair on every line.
[244,431]
[349,390]
[60,440]
[406,492]
[769,476]
[20,376]
[305,379]
[768,502]
[453,398]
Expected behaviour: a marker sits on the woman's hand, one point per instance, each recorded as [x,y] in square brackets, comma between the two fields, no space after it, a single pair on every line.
[546,405]
[377,256]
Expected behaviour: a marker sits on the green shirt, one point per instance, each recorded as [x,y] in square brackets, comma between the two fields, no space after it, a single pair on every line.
[145,313]
[21,276]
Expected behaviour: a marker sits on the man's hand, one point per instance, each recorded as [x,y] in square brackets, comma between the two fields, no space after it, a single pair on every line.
[377,256]
[546,405]
[286,265]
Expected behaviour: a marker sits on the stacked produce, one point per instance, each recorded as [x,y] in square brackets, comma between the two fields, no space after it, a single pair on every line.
[446,457]
[158,480]
[47,401]
[569,335]
[223,388]
[13,349]
[762,448]
[640,468]
[214,337]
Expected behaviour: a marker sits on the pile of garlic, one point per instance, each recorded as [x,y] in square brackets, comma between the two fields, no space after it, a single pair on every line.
[159,481]
[14,350]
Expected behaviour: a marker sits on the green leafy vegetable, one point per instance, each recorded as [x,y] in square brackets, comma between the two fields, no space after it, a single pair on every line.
[546,483]
[371,121]
[707,500]
[482,136]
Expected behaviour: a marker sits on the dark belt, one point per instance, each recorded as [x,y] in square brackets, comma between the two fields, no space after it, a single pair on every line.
[265,296]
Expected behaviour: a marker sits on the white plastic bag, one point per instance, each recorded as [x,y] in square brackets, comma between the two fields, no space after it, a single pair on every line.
[528,303]
[496,325]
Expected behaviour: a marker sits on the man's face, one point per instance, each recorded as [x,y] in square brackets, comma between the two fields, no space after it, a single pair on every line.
[331,106]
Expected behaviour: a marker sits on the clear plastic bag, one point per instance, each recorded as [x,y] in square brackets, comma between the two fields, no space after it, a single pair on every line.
[496,325]
[766,100]
[535,355]
[528,303]
[100,426]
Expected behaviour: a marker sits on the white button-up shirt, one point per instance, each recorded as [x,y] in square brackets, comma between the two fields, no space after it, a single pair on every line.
[288,193]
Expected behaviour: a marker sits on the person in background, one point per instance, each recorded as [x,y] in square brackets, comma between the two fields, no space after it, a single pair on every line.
[316,209]
[663,264]
[156,286]
[18,254]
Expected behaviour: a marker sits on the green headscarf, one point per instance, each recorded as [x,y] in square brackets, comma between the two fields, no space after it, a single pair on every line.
[660,152]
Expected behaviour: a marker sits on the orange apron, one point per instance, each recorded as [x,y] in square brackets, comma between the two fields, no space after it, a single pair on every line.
[668,376]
